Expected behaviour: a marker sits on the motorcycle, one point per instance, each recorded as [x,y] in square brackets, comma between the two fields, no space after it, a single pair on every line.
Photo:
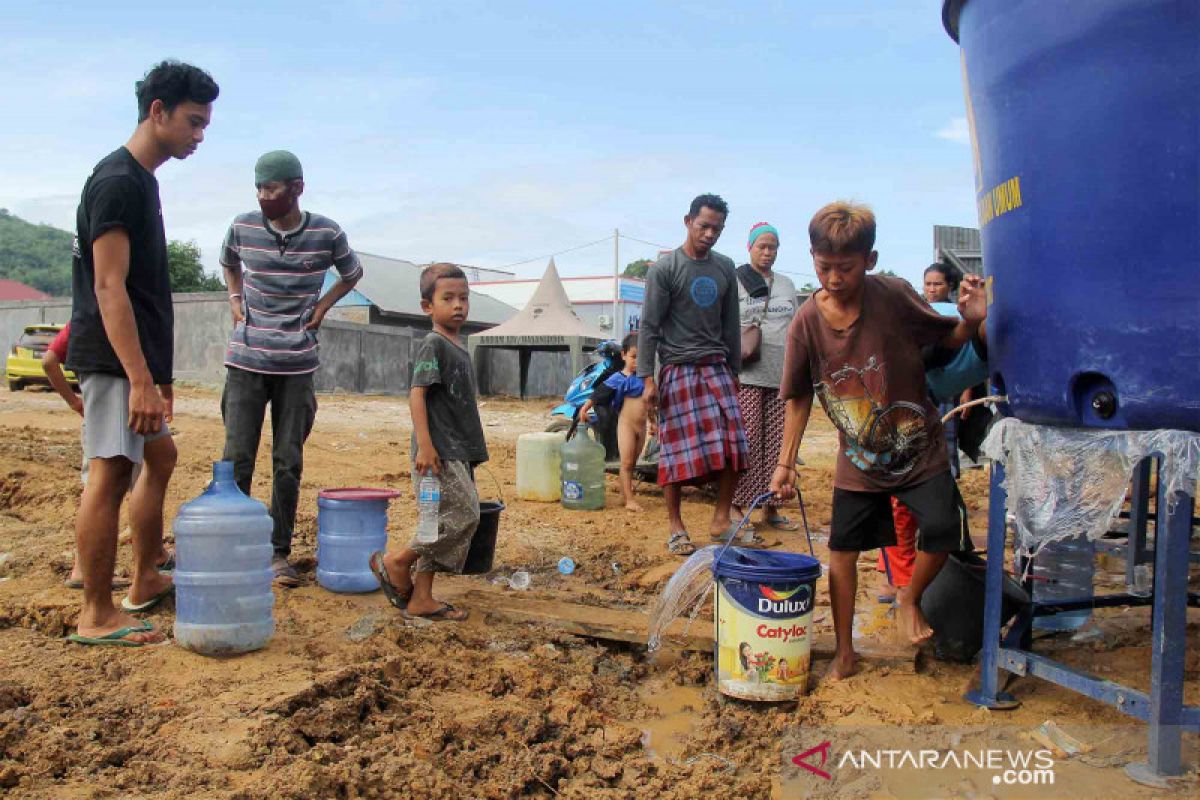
[562,415]
[565,416]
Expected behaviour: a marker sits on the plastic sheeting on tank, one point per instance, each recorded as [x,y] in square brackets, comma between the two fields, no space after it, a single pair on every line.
[1062,482]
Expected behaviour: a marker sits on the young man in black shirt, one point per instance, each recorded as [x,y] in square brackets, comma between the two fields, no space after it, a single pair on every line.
[122,337]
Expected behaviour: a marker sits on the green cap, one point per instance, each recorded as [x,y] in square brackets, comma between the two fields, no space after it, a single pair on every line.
[277,165]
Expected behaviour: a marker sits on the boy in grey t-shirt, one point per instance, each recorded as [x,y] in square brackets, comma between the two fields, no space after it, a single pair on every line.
[447,442]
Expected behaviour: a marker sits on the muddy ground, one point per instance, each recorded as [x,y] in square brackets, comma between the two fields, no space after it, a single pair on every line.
[350,701]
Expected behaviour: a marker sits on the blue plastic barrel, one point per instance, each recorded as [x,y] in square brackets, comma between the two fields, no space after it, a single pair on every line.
[763,619]
[351,524]
[223,597]
[1086,142]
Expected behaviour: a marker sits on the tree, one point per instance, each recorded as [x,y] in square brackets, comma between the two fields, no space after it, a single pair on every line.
[37,255]
[187,273]
[637,269]
[887,272]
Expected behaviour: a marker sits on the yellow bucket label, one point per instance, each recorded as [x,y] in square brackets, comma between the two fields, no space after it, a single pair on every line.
[763,645]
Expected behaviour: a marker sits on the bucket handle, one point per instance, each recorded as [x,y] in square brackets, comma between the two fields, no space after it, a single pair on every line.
[495,480]
[763,498]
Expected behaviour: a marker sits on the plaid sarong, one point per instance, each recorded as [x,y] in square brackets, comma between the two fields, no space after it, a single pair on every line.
[700,427]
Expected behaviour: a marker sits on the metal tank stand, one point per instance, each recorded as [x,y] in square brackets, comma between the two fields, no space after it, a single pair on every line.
[1162,708]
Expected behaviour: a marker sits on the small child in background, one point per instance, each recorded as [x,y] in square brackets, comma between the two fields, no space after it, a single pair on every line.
[447,442]
[623,392]
[56,354]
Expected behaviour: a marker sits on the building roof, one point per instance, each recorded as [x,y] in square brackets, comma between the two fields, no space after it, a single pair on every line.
[959,247]
[547,319]
[394,286]
[591,289]
[15,290]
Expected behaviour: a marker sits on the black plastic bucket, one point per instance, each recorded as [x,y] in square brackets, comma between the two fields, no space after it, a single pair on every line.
[483,543]
[953,605]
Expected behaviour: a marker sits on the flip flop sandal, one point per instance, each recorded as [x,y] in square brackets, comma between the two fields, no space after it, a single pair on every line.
[129,605]
[117,583]
[441,615]
[116,638]
[755,540]
[681,544]
[394,596]
[781,523]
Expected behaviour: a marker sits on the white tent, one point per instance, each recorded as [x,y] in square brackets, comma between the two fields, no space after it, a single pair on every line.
[547,322]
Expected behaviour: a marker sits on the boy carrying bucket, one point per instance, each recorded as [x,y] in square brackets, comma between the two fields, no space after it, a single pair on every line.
[857,347]
[447,442]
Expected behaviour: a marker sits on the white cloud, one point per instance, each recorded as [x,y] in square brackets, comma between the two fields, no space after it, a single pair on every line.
[956,130]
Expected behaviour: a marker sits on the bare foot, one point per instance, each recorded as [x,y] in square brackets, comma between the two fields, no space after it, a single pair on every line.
[913,624]
[119,620]
[632,505]
[842,666]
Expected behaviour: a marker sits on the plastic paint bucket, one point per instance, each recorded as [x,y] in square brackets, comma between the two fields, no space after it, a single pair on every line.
[763,619]
[483,542]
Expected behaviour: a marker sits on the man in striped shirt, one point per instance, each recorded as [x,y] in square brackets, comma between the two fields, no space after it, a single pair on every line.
[275,261]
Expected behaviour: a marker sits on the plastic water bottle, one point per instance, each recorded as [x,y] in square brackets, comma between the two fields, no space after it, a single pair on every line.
[223,598]
[1068,567]
[582,471]
[429,498]
[566,565]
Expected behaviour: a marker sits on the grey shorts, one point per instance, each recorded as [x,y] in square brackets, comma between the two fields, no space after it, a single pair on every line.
[106,433]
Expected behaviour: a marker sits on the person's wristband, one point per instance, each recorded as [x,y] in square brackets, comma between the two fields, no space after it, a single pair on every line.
[786,466]
[238,296]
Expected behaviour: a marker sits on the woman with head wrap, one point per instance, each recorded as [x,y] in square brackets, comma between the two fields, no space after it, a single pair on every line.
[768,302]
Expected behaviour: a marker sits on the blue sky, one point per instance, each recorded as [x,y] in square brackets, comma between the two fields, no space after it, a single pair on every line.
[492,133]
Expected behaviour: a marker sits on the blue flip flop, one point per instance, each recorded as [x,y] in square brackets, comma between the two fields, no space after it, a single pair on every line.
[116,638]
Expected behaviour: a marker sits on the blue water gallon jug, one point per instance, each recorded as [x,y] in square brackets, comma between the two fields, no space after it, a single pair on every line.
[223,598]
[351,524]
[1084,121]
[1064,570]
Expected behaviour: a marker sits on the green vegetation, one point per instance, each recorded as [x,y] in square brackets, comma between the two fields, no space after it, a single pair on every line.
[637,269]
[40,256]
[187,273]
[37,255]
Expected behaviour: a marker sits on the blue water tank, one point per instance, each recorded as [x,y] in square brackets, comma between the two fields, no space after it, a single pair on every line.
[1085,131]
[223,597]
[351,525]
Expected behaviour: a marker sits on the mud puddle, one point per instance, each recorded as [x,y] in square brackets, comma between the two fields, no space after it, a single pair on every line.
[678,713]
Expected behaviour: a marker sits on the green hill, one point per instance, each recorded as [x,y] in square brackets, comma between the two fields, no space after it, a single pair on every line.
[37,255]
[40,256]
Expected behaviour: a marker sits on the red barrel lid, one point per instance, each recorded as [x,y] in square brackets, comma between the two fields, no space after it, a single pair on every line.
[359,493]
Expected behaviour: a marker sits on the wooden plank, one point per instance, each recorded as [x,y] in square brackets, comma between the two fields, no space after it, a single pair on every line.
[631,627]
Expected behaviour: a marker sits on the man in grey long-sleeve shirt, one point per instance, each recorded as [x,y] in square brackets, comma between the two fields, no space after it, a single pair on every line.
[690,326]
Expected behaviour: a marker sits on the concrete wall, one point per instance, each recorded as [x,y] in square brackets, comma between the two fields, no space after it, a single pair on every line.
[549,373]
[374,359]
